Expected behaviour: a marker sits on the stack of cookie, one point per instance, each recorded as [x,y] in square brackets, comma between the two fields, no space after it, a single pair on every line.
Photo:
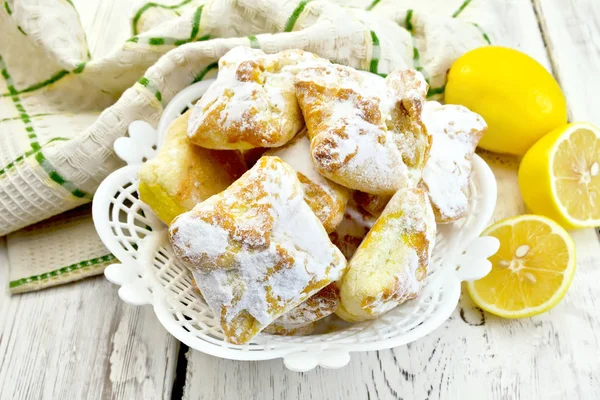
[296,188]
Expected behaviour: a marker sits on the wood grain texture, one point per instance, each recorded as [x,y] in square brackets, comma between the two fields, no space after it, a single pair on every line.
[519,28]
[474,355]
[80,341]
[571,31]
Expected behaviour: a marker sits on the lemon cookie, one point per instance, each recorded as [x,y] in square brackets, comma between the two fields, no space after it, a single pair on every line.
[183,175]
[366,131]
[252,103]
[302,319]
[455,132]
[390,264]
[257,250]
[326,198]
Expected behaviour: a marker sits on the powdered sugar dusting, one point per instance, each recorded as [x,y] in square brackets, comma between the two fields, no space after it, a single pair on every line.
[455,132]
[252,102]
[296,154]
[315,308]
[391,263]
[256,248]
[326,198]
[415,217]
[366,131]
[187,233]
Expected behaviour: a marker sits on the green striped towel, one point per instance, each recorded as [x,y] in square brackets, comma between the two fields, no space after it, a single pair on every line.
[62,107]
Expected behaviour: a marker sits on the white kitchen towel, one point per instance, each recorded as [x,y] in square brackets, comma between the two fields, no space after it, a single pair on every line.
[61,109]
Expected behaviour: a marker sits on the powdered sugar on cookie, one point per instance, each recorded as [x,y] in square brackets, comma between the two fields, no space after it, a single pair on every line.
[455,132]
[326,198]
[296,154]
[317,307]
[366,131]
[252,103]
[389,266]
[257,249]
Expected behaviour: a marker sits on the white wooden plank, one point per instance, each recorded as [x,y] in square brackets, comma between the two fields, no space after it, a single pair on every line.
[80,341]
[518,28]
[572,33]
[474,355]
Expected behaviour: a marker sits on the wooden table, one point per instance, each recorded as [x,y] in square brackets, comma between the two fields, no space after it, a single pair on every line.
[80,341]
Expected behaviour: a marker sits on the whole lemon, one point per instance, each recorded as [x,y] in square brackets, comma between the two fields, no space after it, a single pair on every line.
[517,97]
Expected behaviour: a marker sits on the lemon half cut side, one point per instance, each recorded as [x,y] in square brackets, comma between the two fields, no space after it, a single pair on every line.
[559,176]
[531,271]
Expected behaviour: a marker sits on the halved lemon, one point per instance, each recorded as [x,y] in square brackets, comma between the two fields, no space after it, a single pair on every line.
[559,176]
[531,271]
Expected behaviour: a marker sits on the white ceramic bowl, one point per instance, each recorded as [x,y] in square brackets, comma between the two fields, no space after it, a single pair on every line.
[150,274]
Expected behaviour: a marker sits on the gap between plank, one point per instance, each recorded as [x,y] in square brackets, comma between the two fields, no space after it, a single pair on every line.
[180,372]
[537,10]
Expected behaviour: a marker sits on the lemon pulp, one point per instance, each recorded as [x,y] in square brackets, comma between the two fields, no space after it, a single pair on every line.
[576,171]
[531,271]
[559,176]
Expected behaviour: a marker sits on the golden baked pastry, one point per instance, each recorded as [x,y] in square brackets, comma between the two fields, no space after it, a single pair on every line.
[372,203]
[257,250]
[455,131]
[352,230]
[252,103]
[291,329]
[195,286]
[302,319]
[183,175]
[390,264]
[366,131]
[326,198]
